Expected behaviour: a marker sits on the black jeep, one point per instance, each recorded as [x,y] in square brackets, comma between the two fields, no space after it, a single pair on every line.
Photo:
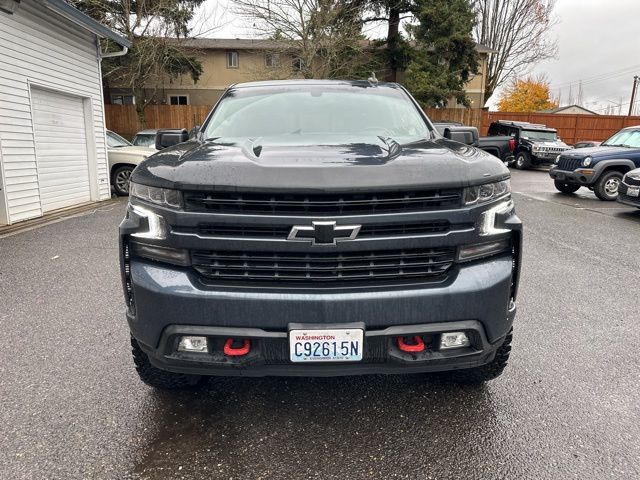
[535,144]
[599,168]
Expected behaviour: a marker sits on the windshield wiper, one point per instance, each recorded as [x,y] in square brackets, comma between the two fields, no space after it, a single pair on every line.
[615,145]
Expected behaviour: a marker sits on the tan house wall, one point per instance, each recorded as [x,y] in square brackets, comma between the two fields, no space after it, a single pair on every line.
[216,77]
[475,86]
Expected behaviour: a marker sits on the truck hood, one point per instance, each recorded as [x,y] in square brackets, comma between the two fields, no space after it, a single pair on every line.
[602,151]
[305,163]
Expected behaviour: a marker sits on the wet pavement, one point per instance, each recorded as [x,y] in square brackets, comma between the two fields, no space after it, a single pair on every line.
[568,405]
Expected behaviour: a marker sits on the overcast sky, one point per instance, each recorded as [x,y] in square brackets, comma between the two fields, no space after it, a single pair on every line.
[598,41]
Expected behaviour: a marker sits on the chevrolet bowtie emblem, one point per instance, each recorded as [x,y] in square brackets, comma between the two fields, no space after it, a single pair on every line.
[323,233]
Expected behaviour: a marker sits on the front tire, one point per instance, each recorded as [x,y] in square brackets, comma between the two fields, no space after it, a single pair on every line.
[522,161]
[566,187]
[490,371]
[161,379]
[606,188]
[120,180]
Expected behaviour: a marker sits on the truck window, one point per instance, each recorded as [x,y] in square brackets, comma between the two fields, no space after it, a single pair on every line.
[316,110]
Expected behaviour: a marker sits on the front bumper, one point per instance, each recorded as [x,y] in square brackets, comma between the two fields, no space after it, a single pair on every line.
[626,199]
[171,302]
[543,159]
[581,176]
[269,351]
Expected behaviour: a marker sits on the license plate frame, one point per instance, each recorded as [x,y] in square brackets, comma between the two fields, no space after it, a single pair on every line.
[326,345]
[633,191]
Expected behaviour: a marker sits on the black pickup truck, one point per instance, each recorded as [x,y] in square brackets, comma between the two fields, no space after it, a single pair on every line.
[534,144]
[499,146]
[319,228]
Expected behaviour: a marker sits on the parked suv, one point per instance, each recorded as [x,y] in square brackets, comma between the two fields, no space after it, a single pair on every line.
[535,144]
[599,168]
[319,228]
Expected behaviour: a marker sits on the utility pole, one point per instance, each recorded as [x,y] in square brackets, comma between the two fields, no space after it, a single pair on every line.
[633,93]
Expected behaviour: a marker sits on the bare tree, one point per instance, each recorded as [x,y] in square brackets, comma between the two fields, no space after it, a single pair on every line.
[323,35]
[519,32]
[155,29]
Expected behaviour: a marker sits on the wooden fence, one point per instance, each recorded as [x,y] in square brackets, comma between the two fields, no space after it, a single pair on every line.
[571,128]
[123,119]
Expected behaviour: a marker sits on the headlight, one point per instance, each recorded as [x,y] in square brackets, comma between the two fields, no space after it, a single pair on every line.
[487,221]
[586,162]
[487,192]
[160,196]
[558,159]
[156,227]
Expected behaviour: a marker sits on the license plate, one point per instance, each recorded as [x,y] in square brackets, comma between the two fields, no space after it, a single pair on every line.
[334,345]
[633,191]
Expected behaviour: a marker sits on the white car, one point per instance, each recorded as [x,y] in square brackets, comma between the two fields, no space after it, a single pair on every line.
[123,158]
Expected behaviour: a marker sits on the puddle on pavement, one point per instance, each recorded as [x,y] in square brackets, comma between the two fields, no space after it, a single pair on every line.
[269,427]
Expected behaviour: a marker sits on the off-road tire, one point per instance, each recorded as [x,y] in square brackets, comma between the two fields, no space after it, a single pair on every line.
[121,175]
[522,161]
[566,187]
[489,371]
[154,377]
[602,187]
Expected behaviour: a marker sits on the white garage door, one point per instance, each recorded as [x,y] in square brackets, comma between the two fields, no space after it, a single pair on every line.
[61,149]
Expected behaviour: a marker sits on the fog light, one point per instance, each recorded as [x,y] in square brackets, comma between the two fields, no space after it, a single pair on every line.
[175,256]
[453,340]
[472,252]
[193,344]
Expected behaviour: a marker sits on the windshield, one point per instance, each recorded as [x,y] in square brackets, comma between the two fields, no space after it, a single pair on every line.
[144,140]
[114,140]
[539,135]
[625,138]
[326,110]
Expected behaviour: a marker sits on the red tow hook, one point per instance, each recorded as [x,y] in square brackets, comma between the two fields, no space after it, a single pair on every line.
[416,345]
[232,351]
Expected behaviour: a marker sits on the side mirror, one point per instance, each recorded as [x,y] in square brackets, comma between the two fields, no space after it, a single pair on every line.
[169,138]
[466,135]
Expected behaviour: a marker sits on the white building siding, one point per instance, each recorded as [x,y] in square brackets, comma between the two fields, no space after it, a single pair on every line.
[40,50]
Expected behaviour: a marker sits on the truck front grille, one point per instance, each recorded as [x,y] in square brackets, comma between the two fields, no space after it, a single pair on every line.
[282,231]
[634,182]
[313,268]
[322,204]
[555,150]
[569,164]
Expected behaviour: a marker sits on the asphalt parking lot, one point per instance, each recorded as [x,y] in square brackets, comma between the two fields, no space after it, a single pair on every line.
[568,405]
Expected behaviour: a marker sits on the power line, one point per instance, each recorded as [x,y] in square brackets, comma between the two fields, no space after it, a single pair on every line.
[600,77]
